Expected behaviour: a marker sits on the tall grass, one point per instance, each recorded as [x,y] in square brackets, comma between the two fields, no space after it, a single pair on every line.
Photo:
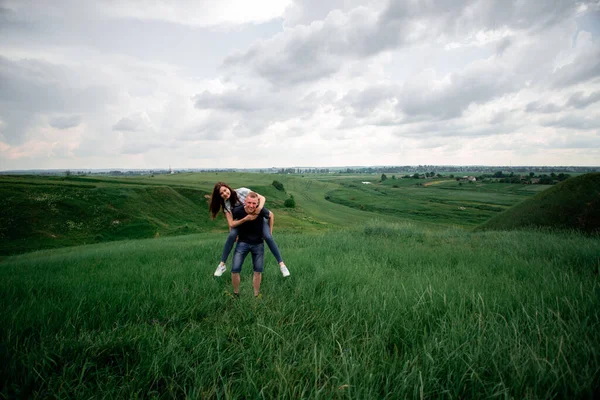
[386,311]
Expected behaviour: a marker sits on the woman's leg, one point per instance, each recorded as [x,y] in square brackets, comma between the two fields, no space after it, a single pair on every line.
[270,242]
[229,244]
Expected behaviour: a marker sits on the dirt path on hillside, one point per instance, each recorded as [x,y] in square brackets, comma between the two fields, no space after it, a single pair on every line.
[436,182]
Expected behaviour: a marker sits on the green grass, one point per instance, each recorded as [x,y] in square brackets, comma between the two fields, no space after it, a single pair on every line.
[49,214]
[443,202]
[385,311]
[391,295]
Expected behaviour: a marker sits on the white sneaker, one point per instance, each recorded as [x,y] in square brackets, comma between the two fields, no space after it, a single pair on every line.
[284,271]
[220,269]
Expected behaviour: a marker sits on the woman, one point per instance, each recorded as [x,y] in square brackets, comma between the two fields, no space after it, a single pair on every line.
[225,198]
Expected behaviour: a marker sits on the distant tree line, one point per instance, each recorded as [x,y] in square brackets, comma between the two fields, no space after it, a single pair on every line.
[531,178]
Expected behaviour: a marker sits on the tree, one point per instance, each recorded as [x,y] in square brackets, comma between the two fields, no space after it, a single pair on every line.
[562,176]
[383,177]
[278,185]
[290,202]
[416,175]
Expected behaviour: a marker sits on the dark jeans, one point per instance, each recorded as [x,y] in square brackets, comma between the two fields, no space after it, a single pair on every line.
[266,234]
[241,251]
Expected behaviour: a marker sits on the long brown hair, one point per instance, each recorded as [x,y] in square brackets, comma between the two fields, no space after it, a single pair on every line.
[217,203]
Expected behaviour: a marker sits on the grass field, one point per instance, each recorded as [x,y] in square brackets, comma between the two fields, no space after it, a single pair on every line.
[380,304]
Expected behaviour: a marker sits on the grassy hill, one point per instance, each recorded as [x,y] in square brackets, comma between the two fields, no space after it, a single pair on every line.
[382,311]
[572,204]
[442,202]
[48,212]
[45,213]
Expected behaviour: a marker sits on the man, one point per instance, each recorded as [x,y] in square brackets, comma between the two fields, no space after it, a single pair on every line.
[250,240]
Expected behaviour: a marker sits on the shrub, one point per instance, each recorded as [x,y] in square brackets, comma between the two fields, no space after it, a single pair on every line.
[278,185]
[290,203]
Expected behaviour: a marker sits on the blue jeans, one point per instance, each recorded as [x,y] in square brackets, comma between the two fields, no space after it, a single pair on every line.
[241,251]
[266,235]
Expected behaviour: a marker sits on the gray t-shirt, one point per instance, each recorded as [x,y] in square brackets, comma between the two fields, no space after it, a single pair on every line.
[242,193]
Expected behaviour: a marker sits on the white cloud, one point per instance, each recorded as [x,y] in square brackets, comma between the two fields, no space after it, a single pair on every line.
[189,12]
[145,83]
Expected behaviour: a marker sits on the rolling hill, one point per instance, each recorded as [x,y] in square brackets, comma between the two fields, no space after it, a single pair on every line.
[573,205]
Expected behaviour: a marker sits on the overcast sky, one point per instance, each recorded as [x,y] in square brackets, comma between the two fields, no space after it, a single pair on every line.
[237,83]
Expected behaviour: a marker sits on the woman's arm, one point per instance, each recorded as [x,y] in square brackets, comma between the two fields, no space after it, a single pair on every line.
[271,221]
[261,203]
[235,223]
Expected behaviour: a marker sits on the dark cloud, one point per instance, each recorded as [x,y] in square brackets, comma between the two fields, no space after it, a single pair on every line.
[501,117]
[240,100]
[249,127]
[580,100]
[573,122]
[584,68]
[311,52]
[365,101]
[477,84]
[304,12]
[254,110]
[136,122]
[30,88]
[457,128]
[212,128]
[127,124]
[248,112]
[142,146]
[575,143]
[502,45]
[308,53]
[425,96]
[544,108]
[65,122]
[527,15]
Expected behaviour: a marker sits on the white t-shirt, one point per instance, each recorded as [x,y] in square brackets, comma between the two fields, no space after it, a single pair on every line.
[242,193]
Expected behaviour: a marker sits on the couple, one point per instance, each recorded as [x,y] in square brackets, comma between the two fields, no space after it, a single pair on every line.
[251,222]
